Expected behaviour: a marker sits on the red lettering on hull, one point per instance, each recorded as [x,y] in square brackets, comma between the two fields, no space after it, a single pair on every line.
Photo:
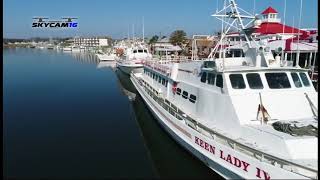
[235,161]
[204,145]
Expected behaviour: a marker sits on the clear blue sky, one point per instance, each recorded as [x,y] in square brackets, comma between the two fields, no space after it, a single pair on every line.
[114,17]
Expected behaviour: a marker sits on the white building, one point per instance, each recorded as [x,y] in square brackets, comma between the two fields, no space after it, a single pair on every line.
[91,41]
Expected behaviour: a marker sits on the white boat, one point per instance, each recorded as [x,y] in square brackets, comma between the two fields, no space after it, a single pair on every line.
[106,57]
[68,48]
[75,49]
[248,117]
[133,58]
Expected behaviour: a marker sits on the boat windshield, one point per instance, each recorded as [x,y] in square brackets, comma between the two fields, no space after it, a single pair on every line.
[278,80]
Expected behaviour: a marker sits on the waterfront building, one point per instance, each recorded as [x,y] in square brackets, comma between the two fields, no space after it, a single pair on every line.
[91,41]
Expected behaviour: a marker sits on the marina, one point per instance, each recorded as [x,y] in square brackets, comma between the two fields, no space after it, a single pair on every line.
[80,137]
[239,103]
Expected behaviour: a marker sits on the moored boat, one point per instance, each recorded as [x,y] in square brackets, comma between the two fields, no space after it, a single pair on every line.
[248,117]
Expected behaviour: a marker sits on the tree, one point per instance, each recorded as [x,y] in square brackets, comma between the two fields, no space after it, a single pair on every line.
[178,37]
[154,39]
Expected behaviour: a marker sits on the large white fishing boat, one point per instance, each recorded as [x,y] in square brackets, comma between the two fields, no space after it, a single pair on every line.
[133,57]
[248,117]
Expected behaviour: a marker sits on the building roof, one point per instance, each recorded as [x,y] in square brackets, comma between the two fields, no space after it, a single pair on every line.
[269,10]
[275,28]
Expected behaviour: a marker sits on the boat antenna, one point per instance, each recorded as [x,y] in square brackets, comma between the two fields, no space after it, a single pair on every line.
[133,32]
[298,55]
[284,22]
[254,7]
[292,39]
[143,29]
[128,33]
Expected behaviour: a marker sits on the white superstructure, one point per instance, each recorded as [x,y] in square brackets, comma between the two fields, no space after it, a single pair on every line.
[248,117]
[133,57]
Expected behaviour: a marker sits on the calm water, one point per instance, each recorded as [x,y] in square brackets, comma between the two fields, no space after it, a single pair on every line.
[66,116]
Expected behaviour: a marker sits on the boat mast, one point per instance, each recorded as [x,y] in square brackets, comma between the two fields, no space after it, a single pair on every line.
[298,55]
[143,29]
[284,22]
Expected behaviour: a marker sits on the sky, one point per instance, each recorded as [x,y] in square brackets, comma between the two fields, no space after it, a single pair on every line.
[116,18]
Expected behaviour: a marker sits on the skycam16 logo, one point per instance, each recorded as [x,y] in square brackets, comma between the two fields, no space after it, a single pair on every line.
[43,22]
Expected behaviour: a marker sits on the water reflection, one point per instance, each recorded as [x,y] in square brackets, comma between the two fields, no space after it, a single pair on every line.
[106,64]
[168,158]
[84,57]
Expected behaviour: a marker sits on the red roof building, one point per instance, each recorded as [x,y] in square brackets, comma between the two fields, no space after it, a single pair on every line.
[269,10]
[272,25]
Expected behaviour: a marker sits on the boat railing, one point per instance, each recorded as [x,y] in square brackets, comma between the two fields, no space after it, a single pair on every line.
[240,147]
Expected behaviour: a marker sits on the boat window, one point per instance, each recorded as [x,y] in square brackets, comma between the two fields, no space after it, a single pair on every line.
[304,79]
[192,98]
[153,76]
[219,82]
[163,81]
[277,80]
[254,81]
[145,51]
[140,51]
[209,64]
[166,83]
[237,81]
[178,91]
[134,51]
[296,80]
[211,78]
[203,77]
[185,94]
[159,79]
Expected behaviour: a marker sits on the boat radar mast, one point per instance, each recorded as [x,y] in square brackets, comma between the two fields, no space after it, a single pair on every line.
[232,12]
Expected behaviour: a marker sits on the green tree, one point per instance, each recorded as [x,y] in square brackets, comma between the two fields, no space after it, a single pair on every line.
[178,37]
[154,39]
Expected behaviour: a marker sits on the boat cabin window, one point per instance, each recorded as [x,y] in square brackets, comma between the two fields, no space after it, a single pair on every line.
[185,94]
[209,64]
[163,82]
[277,80]
[159,80]
[237,81]
[140,50]
[203,77]
[178,91]
[211,78]
[219,82]
[296,80]
[192,98]
[254,81]
[134,51]
[145,51]
[304,79]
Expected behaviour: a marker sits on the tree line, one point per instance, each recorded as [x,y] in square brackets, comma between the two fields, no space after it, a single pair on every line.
[178,38]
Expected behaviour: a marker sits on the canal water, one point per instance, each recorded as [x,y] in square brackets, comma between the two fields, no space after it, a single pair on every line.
[68,116]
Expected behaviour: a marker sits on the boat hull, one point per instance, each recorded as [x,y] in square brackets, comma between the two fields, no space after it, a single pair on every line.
[106,57]
[128,69]
[220,158]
